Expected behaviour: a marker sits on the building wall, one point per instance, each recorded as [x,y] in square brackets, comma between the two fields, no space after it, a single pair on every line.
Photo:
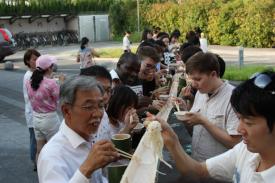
[39,25]
[95,27]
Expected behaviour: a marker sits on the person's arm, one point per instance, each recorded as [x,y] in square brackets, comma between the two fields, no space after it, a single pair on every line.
[131,120]
[219,134]
[94,53]
[222,136]
[78,57]
[184,163]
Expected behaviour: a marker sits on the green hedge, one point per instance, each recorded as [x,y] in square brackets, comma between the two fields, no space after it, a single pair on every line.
[227,22]
[53,6]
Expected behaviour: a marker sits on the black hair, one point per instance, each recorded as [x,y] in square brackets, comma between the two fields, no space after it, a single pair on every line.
[148,52]
[144,34]
[222,65]
[176,33]
[147,42]
[126,57]
[162,35]
[192,38]
[96,71]
[28,54]
[121,98]
[127,32]
[187,52]
[249,100]
[84,41]
[37,77]
[160,43]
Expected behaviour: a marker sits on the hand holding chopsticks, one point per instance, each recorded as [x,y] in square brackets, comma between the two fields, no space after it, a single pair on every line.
[124,154]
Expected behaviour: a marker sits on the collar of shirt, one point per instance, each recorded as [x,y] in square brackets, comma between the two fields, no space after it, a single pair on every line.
[74,139]
[209,96]
[266,175]
[114,75]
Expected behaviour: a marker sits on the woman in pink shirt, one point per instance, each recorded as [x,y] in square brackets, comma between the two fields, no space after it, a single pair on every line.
[43,93]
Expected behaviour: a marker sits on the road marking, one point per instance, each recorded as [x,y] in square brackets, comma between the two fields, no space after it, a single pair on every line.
[12,102]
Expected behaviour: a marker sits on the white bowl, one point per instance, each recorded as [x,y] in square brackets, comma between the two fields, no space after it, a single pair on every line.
[163,97]
[138,127]
[180,115]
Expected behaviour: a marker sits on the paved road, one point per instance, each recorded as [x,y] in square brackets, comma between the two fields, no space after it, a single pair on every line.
[15,165]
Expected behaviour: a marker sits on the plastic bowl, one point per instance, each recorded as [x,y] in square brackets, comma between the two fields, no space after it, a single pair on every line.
[180,115]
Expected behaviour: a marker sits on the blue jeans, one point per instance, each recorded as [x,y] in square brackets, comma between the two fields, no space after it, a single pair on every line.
[32,145]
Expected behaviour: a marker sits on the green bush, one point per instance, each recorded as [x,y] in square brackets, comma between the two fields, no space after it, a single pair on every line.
[227,22]
[53,6]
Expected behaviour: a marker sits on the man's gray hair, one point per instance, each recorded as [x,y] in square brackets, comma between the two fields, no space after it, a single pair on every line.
[74,83]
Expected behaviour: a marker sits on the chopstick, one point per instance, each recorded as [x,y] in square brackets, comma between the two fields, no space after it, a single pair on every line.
[177,106]
[124,154]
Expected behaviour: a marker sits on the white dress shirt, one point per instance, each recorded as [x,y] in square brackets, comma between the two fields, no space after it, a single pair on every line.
[239,165]
[28,107]
[61,157]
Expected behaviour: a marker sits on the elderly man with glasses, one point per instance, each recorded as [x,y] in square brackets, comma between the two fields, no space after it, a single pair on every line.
[71,156]
[252,160]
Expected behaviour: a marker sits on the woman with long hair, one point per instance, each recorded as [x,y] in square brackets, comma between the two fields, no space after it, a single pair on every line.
[86,54]
[43,93]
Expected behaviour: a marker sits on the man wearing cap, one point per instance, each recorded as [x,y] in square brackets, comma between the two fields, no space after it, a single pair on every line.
[43,93]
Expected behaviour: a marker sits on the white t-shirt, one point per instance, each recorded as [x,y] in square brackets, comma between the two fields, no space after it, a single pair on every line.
[239,165]
[218,110]
[28,107]
[203,44]
[126,43]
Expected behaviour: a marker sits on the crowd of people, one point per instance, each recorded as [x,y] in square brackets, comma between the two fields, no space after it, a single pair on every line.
[231,128]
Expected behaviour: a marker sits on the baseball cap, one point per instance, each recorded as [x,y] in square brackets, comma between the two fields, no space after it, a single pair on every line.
[45,61]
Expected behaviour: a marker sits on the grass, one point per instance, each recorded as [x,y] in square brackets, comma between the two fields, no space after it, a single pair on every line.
[113,52]
[135,37]
[236,74]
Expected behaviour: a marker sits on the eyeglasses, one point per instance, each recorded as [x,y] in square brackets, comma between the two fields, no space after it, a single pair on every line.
[262,81]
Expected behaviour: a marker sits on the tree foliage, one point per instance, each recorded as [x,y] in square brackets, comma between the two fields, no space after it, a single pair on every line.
[226,22]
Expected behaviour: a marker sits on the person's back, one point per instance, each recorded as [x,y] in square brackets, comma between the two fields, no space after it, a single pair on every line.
[86,59]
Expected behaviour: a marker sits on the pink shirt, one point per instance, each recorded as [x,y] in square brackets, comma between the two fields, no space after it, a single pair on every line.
[45,98]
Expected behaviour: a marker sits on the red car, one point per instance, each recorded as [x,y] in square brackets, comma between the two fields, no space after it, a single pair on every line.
[7,43]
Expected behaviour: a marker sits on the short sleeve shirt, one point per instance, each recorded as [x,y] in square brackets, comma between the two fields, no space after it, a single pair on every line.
[239,165]
[45,98]
[218,110]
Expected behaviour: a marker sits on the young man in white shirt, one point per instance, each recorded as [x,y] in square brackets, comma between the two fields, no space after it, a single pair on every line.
[212,117]
[252,160]
[71,156]
[30,57]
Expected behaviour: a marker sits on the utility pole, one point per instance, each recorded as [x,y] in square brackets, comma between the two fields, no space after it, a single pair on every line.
[138,16]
